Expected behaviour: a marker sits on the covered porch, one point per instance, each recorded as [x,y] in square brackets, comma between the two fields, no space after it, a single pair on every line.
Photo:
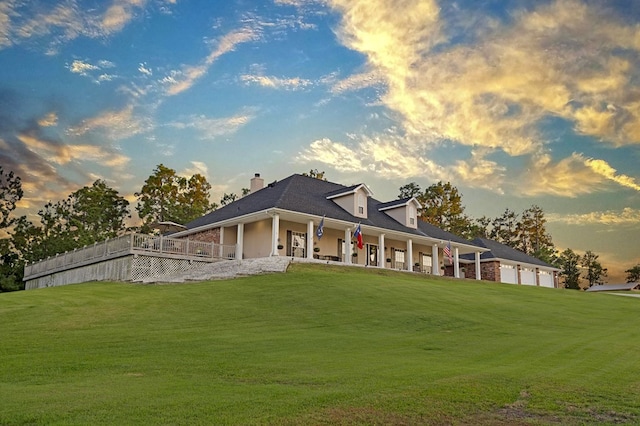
[285,233]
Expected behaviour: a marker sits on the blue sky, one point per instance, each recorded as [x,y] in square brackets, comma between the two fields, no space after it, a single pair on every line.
[514,102]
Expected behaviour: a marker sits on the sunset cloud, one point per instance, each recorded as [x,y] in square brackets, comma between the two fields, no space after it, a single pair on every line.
[626,216]
[115,124]
[562,59]
[210,128]
[179,81]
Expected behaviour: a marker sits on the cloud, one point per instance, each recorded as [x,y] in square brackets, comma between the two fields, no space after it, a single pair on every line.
[49,120]
[358,82]
[81,67]
[390,155]
[569,177]
[22,22]
[494,87]
[179,81]
[628,216]
[295,83]
[118,124]
[210,128]
[603,169]
[197,167]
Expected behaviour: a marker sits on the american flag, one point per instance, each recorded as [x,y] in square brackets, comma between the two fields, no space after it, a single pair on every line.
[447,251]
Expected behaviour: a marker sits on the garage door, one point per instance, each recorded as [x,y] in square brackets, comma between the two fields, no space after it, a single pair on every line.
[546,279]
[508,274]
[527,276]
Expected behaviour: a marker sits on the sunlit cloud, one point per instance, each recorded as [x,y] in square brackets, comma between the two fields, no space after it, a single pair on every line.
[563,59]
[626,216]
[210,128]
[295,83]
[119,124]
[358,82]
[197,167]
[602,168]
[179,81]
[569,177]
[49,120]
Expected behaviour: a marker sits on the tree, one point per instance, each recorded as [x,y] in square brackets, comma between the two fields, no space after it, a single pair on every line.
[314,173]
[594,273]
[410,190]
[442,207]
[11,268]
[10,193]
[569,262]
[533,238]
[504,229]
[633,274]
[165,196]
[228,199]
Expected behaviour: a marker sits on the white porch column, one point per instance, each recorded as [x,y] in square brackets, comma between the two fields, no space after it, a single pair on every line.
[275,232]
[347,246]
[410,254]
[221,241]
[456,262]
[240,242]
[382,260]
[478,270]
[310,240]
[435,261]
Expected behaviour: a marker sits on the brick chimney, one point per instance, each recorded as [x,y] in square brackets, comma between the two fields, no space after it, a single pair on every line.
[257,183]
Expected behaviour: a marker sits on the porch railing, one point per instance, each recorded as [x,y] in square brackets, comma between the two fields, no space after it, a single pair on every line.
[132,244]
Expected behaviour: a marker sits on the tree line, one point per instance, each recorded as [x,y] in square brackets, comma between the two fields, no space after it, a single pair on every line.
[526,231]
[92,214]
[97,212]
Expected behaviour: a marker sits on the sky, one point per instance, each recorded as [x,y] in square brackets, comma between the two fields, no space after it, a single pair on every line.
[516,103]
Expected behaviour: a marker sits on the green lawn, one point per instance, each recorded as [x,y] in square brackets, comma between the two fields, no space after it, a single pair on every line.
[318,345]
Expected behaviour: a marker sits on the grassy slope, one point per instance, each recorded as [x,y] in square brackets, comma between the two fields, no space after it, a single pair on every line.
[318,345]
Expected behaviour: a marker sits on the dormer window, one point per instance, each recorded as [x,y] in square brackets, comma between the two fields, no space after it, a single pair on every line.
[361,201]
[412,214]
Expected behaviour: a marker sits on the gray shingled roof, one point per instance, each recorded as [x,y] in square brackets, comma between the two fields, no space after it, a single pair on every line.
[308,195]
[501,251]
[615,287]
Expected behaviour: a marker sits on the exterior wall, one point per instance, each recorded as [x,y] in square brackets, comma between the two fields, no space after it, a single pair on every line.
[400,214]
[489,271]
[208,236]
[347,202]
[230,236]
[257,239]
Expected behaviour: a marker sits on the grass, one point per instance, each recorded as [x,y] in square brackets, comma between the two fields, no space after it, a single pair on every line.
[318,345]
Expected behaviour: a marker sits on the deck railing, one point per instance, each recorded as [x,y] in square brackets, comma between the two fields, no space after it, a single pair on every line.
[132,244]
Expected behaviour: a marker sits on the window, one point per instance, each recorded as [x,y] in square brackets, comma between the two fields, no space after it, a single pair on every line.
[412,214]
[296,244]
[361,202]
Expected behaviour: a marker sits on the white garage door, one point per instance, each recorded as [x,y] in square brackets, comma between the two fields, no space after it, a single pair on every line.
[546,279]
[527,276]
[508,274]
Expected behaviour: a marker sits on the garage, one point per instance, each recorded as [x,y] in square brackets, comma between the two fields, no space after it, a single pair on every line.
[527,276]
[546,279]
[508,274]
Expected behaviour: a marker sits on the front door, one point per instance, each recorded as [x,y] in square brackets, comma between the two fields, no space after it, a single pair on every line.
[372,255]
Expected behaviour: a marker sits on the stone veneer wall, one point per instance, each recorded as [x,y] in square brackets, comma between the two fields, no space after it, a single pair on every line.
[489,271]
[208,236]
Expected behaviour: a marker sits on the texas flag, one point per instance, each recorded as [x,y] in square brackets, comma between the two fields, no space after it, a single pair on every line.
[358,236]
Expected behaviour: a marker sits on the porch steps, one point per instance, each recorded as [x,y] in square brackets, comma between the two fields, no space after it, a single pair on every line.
[227,269]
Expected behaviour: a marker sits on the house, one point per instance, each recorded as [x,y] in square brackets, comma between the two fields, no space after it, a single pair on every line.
[282,219]
[615,287]
[502,263]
